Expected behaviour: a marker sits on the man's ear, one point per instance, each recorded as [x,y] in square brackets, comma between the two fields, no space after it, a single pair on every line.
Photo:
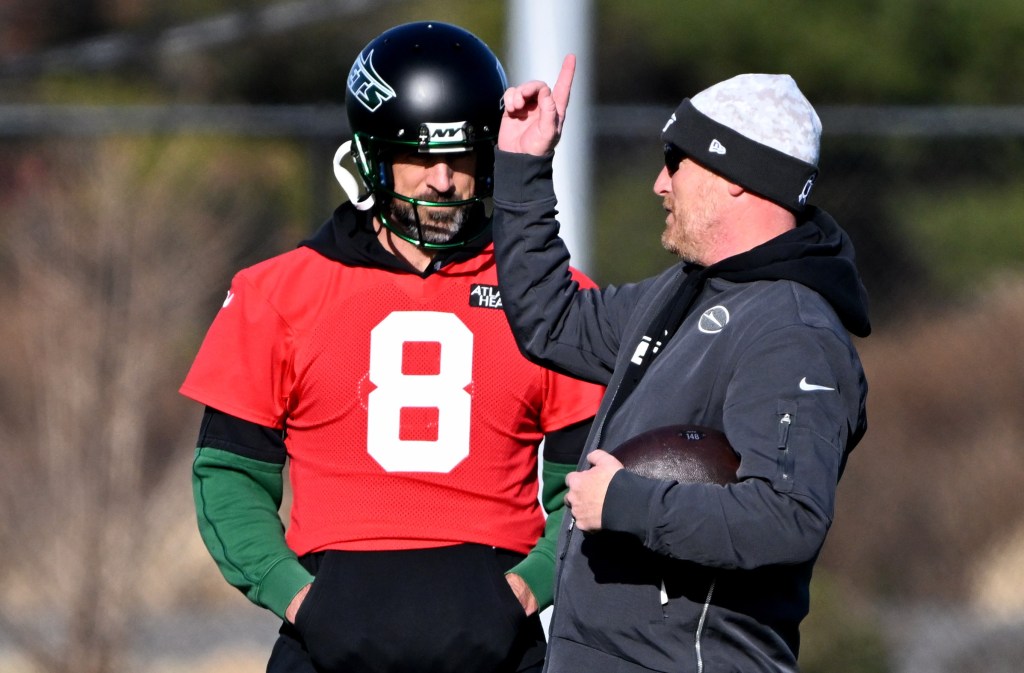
[734,189]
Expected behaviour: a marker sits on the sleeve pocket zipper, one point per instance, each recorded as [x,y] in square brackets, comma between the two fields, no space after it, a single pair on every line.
[785,457]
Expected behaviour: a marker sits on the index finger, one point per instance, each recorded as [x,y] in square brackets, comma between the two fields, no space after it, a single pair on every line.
[563,85]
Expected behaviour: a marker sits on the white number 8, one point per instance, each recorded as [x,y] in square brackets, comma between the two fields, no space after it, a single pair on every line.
[395,390]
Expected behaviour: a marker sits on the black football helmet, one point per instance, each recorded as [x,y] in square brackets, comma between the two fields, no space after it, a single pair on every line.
[431,88]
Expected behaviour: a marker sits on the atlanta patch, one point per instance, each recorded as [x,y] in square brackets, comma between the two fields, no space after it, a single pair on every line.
[484,296]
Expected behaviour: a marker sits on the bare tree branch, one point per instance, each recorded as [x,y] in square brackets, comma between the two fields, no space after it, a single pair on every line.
[110,262]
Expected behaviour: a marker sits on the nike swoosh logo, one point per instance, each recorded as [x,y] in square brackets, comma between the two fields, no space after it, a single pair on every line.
[804,385]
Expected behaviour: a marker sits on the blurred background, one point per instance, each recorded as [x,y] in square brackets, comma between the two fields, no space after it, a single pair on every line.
[150,149]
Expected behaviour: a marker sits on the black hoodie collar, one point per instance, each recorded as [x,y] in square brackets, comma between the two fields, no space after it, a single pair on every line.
[349,237]
[818,254]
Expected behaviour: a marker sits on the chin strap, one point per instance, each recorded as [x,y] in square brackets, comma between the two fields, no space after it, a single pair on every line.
[347,181]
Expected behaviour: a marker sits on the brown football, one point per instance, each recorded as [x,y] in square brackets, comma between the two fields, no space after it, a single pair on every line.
[686,453]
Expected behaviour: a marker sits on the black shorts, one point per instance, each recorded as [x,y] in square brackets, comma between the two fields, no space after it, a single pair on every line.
[436,610]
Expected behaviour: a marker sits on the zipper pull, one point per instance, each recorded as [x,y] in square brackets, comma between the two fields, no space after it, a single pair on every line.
[784,424]
[568,538]
[664,593]
[785,459]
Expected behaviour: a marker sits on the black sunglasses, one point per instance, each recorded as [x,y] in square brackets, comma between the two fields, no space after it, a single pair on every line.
[673,157]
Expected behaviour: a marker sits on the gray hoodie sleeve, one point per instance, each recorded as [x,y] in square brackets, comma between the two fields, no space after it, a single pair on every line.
[554,323]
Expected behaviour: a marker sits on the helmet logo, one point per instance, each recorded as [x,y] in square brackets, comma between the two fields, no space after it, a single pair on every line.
[367,86]
[454,133]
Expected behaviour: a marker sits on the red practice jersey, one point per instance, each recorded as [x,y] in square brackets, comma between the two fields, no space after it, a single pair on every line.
[411,418]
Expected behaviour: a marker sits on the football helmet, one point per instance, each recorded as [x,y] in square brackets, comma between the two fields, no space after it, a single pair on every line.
[430,88]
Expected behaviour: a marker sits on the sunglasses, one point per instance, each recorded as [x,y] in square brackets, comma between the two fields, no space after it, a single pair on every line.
[673,157]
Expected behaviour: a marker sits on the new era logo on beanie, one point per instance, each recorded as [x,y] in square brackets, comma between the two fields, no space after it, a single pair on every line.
[756,130]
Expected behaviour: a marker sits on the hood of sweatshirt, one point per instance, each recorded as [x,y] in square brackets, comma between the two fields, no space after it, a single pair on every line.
[817,254]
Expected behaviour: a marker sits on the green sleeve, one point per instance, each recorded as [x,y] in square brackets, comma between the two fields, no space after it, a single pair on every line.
[237,501]
[538,568]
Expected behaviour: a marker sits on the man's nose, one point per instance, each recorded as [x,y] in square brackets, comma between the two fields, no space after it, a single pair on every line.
[662,183]
[439,177]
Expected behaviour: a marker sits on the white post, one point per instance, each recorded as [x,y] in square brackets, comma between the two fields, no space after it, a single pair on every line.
[541,33]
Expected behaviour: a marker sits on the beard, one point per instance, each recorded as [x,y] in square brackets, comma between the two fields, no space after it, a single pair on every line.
[678,237]
[427,224]
[694,229]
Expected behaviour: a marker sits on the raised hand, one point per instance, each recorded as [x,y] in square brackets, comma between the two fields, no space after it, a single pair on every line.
[534,114]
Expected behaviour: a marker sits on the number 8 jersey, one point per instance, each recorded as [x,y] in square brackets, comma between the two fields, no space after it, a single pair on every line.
[411,419]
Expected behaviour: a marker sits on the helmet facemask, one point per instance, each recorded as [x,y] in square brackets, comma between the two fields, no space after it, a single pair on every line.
[402,213]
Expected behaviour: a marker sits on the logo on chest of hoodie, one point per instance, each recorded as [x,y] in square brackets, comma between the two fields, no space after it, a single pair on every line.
[484,296]
[713,320]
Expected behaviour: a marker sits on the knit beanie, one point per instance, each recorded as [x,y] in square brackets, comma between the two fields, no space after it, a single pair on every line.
[756,130]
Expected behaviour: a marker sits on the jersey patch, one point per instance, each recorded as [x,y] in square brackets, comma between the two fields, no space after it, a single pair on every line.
[484,296]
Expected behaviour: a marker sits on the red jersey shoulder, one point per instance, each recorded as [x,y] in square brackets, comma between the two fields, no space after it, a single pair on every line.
[286,280]
[243,366]
[583,279]
[301,285]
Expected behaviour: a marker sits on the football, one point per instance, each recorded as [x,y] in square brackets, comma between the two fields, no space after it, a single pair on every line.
[685,453]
